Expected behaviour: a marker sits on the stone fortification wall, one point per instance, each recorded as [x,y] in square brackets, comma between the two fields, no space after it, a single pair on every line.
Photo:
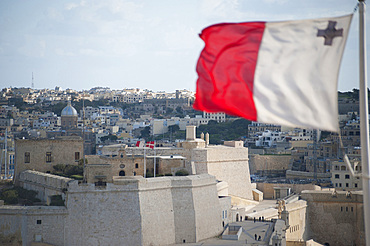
[297,221]
[268,188]
[305,175]
[45,184]
[326,209]
[138,211]
[228,164]
[258,163]
[23,225]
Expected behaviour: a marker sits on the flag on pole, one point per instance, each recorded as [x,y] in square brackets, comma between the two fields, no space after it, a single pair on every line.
[140,144]
[150,144]
[273,72]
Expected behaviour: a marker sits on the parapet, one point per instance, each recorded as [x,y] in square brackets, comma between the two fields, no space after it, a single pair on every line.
[235,144]
[44,179]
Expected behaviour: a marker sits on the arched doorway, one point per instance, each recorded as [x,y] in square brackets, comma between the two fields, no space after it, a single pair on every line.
[237,217]
[122,173]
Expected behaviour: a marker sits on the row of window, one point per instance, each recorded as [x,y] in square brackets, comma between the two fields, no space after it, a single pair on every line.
[337,176]
[48,157]
[346,208]
[347,185]
[344,168]
[294,228]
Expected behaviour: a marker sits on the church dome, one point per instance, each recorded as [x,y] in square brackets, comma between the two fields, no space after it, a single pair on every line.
[69,110]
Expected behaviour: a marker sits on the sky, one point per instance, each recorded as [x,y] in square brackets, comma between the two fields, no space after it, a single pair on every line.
[143,44]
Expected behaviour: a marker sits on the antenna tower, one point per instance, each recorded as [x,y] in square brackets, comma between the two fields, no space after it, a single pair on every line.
[32,85]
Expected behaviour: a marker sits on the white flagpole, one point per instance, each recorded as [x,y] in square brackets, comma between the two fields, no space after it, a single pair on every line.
[364,120]
[155,154]
[144,160]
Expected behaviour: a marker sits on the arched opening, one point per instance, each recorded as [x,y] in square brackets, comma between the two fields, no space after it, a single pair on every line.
[237,217]
[122,173]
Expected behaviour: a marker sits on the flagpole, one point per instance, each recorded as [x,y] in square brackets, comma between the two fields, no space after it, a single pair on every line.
[364,120]
[144,159]
[155,154]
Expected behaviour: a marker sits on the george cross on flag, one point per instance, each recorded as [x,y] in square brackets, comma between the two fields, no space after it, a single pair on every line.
[273,72]
[150,144]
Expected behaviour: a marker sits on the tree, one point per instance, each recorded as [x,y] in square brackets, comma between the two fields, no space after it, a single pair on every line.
[173,128]
[182,172]
[145,133]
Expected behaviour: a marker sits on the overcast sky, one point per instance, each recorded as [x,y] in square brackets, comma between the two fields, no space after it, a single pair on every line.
[148,44]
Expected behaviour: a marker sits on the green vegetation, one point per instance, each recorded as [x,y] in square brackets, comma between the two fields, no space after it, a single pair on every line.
[56,200]
[110,137]
[225,131]
[182,172]
[69,171]
[17,195]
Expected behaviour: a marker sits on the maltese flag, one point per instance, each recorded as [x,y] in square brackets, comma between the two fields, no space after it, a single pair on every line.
[273,72]
[140,144]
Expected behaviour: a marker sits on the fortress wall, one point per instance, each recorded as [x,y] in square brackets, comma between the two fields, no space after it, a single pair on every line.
[130,211]
[230,165]
[157,211]
[268,162]
[104,215]
[45,184]
[326,210]
[19,224]
[297,221]
[268,188]
[207,209]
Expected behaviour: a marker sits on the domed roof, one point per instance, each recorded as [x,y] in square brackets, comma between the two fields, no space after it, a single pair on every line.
[69,110]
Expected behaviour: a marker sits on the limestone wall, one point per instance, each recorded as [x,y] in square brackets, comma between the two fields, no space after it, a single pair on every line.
[45,184]
[138,211]
[268,188]
[26,224]
[129,211]
[227,164]
[268,163]
[297,221]
[326,210]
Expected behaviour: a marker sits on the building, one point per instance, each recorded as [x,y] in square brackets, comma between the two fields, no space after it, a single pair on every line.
[342,178]
[128,211]
[69,117]
[43,154]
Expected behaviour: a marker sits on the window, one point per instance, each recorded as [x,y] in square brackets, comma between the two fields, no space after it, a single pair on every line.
[77,156]
[48,156]
[340,184]
[347,185]
[336,184]
[347,176]
[337,176]
[343,168]
[355,185]
[336,167]
[136,165]
[38,222]
[27,157]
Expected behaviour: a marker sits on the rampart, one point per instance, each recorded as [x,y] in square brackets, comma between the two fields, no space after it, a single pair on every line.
[129,211]
[268,163]
[339,208]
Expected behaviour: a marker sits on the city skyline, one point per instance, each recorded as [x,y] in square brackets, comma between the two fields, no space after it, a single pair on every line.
[141,44]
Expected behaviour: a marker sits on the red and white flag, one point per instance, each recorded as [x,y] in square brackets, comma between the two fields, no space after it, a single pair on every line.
[140,144]
[273,72]
[150,144]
